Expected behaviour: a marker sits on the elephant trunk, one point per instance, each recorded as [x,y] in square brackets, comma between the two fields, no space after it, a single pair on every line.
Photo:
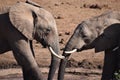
[70,47]
[54,60]
[63,62]
[62,67]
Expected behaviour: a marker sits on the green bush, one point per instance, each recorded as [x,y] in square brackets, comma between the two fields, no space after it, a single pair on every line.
[117,75]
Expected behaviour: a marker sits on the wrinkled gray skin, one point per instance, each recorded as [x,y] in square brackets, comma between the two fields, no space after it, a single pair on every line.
[19,25]
[101,33]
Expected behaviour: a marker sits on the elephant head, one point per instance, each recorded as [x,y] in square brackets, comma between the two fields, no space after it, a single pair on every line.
[99,33]
[35,22]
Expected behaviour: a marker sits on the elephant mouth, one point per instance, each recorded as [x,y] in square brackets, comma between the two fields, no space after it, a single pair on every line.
[55,54]
[84,47]
[43,43]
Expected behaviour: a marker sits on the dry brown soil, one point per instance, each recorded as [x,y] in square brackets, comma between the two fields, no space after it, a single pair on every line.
[85,65]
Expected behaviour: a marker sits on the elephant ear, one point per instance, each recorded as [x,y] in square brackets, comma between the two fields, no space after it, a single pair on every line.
[108,39]
[21,17]
[102,43]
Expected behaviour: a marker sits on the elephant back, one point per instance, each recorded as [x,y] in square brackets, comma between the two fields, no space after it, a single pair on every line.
[21,17]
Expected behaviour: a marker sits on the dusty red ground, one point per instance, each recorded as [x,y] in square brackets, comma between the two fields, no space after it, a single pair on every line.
[68,14]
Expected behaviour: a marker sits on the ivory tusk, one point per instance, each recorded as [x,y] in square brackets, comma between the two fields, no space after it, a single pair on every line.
[69,52]
[58,56]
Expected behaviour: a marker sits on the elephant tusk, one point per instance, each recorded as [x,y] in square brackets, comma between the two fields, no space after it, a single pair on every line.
[58,56]
[69,52]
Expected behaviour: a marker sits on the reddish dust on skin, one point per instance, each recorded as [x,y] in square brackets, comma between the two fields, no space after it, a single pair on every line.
[68,14]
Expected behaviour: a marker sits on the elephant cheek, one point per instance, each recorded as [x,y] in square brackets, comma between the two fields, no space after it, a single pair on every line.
[71,44]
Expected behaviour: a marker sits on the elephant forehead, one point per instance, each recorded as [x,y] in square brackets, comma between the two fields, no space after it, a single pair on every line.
[46,16]
[85,29]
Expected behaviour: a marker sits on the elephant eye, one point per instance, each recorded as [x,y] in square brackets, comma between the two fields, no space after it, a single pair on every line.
[47,31]
[87,40]
[84,35]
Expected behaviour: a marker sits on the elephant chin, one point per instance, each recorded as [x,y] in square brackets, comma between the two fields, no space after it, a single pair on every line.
[55,54]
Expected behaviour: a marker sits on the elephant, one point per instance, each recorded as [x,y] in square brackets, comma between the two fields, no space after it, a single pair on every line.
[101,33]
[20,24]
